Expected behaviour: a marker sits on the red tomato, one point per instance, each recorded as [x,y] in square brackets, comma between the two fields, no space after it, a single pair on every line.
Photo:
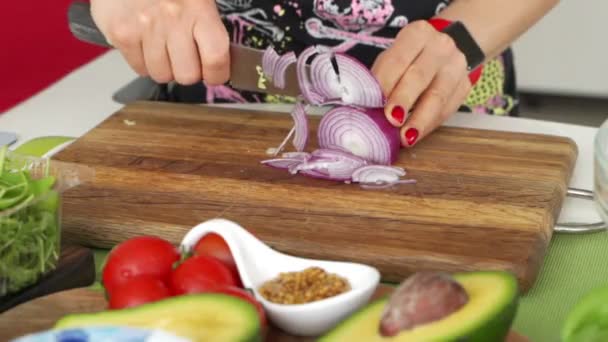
[237,292]
[214,245]
[145,255]
[200,273]
[137,291]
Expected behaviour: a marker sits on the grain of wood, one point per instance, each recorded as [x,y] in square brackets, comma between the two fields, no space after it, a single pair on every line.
[483,199]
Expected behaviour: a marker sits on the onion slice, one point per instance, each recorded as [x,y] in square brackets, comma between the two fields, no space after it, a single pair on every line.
[334,166]
[378,174]
[281,163]
[303,78]
[270,58]
[279,70]
[353,85]
[363,132]
[301,126]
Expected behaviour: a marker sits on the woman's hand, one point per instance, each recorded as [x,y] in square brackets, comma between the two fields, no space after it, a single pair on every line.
[423,71]
[180,40]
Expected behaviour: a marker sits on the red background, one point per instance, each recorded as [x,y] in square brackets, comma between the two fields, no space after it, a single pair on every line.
[36,48]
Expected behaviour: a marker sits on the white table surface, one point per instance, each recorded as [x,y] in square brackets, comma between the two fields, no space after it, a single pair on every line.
[81,100]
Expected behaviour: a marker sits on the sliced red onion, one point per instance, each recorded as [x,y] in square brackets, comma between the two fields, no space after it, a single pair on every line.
[336,154]
[318,175]
[353,84]
[303,78]
[361,86]
[378,174]
[280,68]
[313,164]
[281,163]
[335,165]
[301,126]
[269,61]
[329,170]
[363,132]
[324,79]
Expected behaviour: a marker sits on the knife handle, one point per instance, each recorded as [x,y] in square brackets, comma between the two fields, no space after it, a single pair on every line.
[82,25]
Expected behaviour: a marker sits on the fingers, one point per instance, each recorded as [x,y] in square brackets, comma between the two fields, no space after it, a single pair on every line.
[156,55]
[169,40]
[444,95]
[419,75]
[211,38]
[183,53]
[391,64]
[126,38]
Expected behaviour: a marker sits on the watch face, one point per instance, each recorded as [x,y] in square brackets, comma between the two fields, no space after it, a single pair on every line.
[465,43]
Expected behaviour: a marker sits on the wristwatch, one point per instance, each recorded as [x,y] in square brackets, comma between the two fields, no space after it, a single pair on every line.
[464,42]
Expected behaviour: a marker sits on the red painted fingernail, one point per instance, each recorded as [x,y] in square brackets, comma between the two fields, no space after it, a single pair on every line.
[398,113]
[411,135]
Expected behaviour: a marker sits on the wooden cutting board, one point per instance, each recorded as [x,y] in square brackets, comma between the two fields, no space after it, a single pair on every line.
[483,199]
[42,313]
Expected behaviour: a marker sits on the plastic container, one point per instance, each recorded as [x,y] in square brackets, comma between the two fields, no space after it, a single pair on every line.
[30,217]
[601,171]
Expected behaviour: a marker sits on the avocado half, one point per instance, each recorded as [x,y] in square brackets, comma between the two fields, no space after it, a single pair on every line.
[198,317]
[487,316]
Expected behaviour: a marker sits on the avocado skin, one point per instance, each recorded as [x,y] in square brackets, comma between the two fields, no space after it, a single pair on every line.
[184,304]
[495,329]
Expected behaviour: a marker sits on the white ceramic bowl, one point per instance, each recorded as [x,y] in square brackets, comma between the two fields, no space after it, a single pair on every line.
[258,263]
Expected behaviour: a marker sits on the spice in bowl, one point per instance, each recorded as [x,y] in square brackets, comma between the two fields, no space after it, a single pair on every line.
[310,285]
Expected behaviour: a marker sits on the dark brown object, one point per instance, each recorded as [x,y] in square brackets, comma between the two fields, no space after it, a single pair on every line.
[423,298]
[42,313]
[484,200]
[308,285]
[76,268]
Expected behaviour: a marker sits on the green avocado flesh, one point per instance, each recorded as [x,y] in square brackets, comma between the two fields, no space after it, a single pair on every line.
[487,316]
[588,320]
[200,317]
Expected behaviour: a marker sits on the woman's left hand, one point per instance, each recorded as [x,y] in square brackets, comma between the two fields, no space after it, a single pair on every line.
[423,70]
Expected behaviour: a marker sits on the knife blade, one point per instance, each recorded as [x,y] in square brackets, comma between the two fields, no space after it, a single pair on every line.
[245,62]
[7,138]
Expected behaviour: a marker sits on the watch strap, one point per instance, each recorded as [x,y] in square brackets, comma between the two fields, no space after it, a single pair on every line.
[465,43]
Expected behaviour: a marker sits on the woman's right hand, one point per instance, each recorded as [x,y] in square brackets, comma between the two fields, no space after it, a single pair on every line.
[169,40]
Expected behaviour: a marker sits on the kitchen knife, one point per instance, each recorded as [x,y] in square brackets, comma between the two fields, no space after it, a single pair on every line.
[245,62]
[7,138]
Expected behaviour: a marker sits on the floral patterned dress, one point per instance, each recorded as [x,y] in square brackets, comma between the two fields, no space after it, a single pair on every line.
[360,28]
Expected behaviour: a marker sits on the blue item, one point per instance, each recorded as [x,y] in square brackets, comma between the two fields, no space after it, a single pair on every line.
[101,334]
